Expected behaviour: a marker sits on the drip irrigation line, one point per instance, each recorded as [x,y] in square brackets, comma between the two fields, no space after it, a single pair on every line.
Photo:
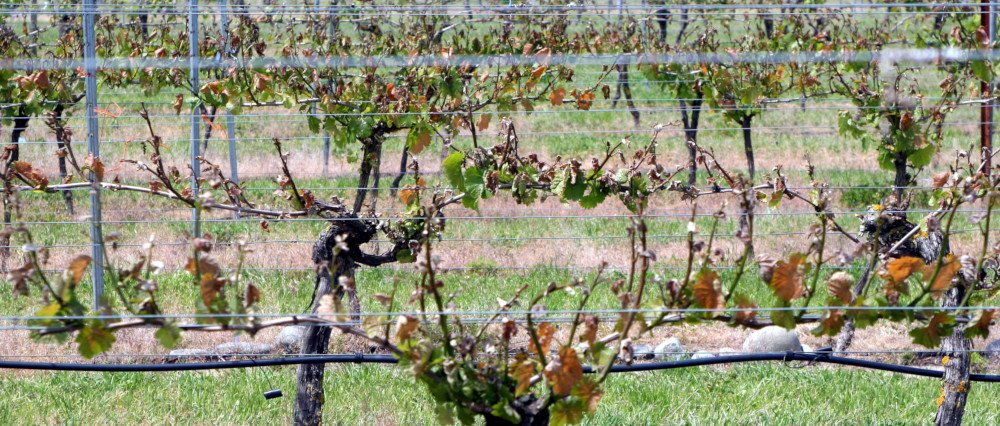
[822,358]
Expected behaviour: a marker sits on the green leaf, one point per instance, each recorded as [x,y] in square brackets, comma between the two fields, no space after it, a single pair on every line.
[784,319]
[593,198]
[94,339]
[504,411]
[452,168]
[922,156]
[567,411]
[474,186]
[405,256]
[981,70]
[939,325]
[168,336]
[314,123]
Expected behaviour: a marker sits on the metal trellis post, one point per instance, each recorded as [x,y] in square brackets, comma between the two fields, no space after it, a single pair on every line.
[234,173]
[195,111]
[94,146]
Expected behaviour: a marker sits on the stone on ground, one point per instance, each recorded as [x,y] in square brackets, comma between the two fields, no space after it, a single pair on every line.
[670,349]
[772,339]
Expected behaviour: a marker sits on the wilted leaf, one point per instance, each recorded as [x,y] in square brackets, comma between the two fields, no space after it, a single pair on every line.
[705,292]
[786,280]
[211,287]
[94,339]
[980,327]
[949,267]
[405,326]
[898,270]
[522,372]
[178,103]
[566,412]
[407,195]
[484,122]
[588,392]
[832,322]
[557,96]
[95,165]
[939,180]
[76,269]
[563,371]
[545,331]
[251,296]
[537,72]
[930,336]
[589,332]
[840,284]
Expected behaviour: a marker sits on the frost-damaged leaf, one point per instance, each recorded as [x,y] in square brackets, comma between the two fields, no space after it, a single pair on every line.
[211,288]
[545,332]
[407,195]
[205,266]
[405,326]
[95,165]
[939,180]
[981,326]
[705,292]
[746,310]
[76,269]
[930,336]
[840,284]
[522,370]
[557,96]
[830,325]
[589,333]
[168,336]
[942,282]
[35,177]
[566,412]
[251,296]
[786,280]
[484,122]
[563,371]
[898,270]
[537,72]
[418,139]
[94,339]
[588,392]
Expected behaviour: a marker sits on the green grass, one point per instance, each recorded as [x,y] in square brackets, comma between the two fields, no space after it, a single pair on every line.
[747,394]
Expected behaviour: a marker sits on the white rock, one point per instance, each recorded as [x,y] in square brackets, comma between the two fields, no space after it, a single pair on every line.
[807,348]
[643,351]
[703,355]
[244,348]
[188,355]
[290,338]
[772,339]
[727,351]
[670,349]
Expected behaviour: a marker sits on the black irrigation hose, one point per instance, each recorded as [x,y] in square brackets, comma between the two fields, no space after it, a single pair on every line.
[818,357]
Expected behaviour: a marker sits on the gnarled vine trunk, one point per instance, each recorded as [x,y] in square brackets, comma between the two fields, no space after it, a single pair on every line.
[689,117]
[956,384]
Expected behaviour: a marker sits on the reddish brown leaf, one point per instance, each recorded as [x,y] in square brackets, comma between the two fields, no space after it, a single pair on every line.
[840,284]
[405,326]
[76,269]
[545,331]
[939,180]
[898,270]
[786,280]
[589,332]
[563,371]
[949,267]
[705,292]
[557,95]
